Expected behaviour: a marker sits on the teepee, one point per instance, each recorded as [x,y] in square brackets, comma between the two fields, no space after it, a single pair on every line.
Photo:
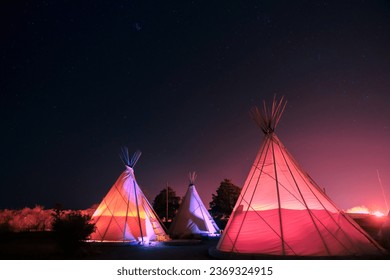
[125,214]
[192,218]
[282,211]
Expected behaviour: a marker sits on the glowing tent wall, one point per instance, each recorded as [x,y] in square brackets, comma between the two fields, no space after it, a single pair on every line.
[193,219]
[125,214]
[281,210]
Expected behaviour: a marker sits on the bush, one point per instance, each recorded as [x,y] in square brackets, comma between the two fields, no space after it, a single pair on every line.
[5,228]
[71,229]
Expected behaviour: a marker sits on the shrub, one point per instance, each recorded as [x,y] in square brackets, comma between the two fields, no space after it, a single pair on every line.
[72,228]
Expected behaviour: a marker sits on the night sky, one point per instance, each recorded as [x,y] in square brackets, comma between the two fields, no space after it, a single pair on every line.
[176,79]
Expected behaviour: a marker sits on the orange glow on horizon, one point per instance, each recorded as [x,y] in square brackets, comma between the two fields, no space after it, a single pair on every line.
[365,210]
[358,210]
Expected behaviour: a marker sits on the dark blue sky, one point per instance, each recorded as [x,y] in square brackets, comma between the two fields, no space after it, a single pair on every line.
[177,80]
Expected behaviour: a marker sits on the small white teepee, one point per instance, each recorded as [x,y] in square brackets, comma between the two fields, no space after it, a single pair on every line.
[192,219]
[282,211]
[125,214]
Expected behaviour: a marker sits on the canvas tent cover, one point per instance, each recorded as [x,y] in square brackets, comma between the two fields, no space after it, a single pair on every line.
[125,214]
[282,211]
[193,218]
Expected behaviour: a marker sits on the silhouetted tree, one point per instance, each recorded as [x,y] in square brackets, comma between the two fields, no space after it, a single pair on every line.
[70,229]
[222,203]
[160,204]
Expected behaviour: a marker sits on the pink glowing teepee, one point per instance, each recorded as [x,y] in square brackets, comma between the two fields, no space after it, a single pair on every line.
[282,211]
[125,214]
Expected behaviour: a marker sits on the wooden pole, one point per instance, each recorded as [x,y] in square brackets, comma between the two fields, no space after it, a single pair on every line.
[167,197]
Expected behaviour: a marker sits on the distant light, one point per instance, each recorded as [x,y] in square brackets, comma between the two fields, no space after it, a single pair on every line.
[359,210]
[378,213]
[365,210]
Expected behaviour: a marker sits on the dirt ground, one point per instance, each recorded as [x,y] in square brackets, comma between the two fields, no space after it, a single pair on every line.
[41,245]
[184,250]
